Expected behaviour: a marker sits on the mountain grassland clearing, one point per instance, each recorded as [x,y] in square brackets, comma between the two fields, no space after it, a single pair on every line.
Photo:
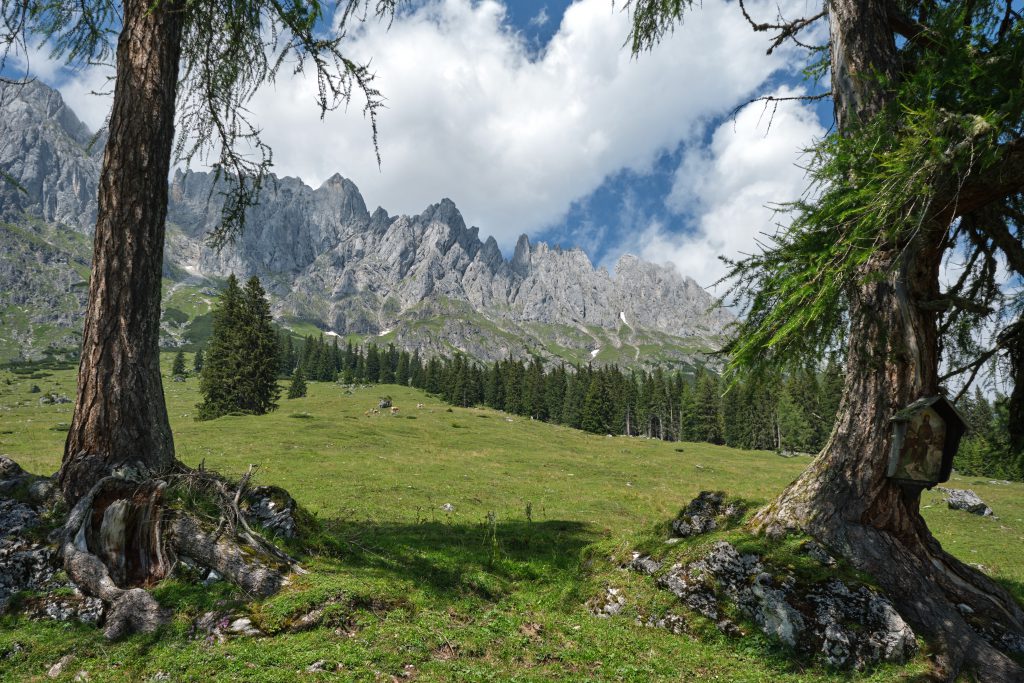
[454,544]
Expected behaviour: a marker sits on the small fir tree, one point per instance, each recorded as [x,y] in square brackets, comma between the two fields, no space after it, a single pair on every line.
[242,360]
[297,389]
[178,367]
[261,351]
[220,379]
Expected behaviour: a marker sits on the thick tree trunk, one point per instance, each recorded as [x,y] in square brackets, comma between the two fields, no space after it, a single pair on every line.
[844,499]
[1015,347]
[120,535]
[120,420]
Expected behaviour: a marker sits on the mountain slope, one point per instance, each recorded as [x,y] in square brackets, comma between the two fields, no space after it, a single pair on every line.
[424,282]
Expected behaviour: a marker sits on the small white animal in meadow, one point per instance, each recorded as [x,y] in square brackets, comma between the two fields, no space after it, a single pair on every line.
[420,405]
[394,410]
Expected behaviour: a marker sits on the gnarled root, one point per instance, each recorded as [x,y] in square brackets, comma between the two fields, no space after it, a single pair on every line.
[962,613]
[131,610]
[122,537]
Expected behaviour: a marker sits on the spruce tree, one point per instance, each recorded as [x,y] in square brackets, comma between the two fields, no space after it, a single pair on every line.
[297,389]
[372,364]
[708,424]
[288,360]
[242,360]
[178,367]
[221,375]
[402,375]
[594,418]
[262,353]
[793,432]
[197,362]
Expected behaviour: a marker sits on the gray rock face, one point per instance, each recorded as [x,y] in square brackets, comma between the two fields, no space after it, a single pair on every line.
[328,259]
[849,627]
[27,565]
[705,513]
[608,604]
[49,152]
[273,509]
[217,627]
[425,282]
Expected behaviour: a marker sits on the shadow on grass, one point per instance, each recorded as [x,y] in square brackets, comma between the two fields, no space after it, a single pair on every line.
[448,558]
[1016,588]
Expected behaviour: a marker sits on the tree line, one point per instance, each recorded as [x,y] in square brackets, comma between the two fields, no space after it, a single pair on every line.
[788,413]
[986,450]
[792,413]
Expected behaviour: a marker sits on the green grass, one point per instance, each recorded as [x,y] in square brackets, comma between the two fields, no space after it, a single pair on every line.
[443,596]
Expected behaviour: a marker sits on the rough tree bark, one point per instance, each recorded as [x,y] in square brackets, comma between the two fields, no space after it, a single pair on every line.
[120,418]
[121,535]
[844,499]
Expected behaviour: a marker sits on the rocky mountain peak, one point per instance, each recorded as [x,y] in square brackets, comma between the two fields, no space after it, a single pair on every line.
[521,257]
[425,281]
[47,150]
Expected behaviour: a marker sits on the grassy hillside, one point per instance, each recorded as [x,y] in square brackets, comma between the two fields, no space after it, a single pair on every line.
[417,593]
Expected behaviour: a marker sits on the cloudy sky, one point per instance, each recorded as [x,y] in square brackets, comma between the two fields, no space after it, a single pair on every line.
[535,119]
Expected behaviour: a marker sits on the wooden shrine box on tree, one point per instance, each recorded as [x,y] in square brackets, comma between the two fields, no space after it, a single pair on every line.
[925,437]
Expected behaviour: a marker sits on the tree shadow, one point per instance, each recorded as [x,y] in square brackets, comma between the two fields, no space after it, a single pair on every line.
[1016,588]
[446,558]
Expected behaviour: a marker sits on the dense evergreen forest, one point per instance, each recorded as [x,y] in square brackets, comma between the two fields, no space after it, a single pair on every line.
[788,414]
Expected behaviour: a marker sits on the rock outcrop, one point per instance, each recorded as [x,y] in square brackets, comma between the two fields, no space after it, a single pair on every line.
[28,565]
[51,156]
[844,623]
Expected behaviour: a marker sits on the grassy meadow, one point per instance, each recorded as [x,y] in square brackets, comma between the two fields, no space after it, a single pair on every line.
[493,590]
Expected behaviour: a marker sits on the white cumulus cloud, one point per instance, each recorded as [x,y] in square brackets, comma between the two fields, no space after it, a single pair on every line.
[728,191]
[512,138]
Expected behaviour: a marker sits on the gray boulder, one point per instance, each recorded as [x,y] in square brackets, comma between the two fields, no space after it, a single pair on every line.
[272,508]
[967,500]
[24,565]
[608,604]
[644,564]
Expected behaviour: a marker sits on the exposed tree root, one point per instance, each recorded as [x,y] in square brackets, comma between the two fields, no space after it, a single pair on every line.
[125,535]
[964,616]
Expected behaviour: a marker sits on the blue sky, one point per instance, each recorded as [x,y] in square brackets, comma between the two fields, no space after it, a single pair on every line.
[534,118]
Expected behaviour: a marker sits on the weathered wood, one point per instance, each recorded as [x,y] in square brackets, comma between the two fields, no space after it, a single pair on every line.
[228,558]
[120,537]
[120,418]
[131,610]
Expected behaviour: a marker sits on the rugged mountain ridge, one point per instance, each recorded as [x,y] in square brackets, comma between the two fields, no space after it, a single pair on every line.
[335,247]
[51,155]
[426,281]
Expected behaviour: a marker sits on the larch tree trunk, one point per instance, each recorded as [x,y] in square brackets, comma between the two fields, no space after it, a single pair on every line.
[120,420]
[844,499]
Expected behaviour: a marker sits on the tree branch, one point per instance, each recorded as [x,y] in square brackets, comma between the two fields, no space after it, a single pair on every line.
[1012,248]
[1002,179]
[786,29]
[913,31]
